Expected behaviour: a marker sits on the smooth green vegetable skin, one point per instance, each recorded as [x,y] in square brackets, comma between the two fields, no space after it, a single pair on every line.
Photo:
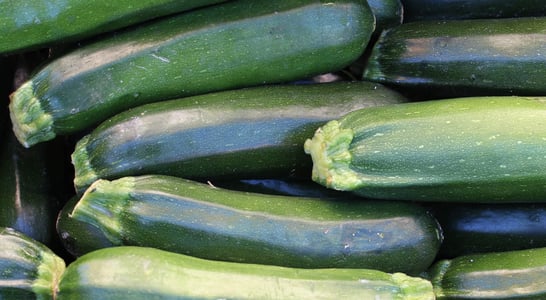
[463,58]
[193,218]
[498,275]
[415,10]
[28,269]
[27,25]
[146,273]
[476,149]
[388,13]
[244,133]
[221,47]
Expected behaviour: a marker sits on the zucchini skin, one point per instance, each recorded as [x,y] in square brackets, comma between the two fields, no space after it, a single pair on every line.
[198,219]
[388,13]
[417,10]
[25,26]
[225,46]
[480,228]
[450,150]
[462,58]
[517,274]
[29,195]
[244,133]
[28,269]
[144,273]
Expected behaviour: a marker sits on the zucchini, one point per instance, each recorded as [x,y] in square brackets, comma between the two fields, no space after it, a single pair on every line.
[388,13]
[244,133]
[198,219]
[28,269]
[224,46]
[416,10]
[148,273]
[517,274]
[29,193]
[28,25]
[474,149]
[444,59]
[473,228]
[302,187]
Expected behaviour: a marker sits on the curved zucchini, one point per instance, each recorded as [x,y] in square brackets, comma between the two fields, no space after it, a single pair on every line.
[473,228]
[28,25]
[145,273]
[462,58]
[497,275]
[193,218]
[388,13]
[252,132]
[302,187]
[224,46]
[28,269]
[476,149]
[416,10]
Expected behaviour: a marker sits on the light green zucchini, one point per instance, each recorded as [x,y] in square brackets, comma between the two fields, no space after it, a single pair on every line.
[28,25]
[148,273]
[475,149]
[220,47]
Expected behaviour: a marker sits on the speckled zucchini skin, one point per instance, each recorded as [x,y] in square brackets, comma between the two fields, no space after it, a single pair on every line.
[201,220]
[27,25]
[475,149]
[244,133]
[145,273]
[220,47]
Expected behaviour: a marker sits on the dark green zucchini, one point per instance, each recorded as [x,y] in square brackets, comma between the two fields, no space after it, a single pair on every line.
[28,269]
[29,191]
[388,13]
[245,133]
[474,228]
[517,274]
[27,25]
[416,10]
[198,219]
[224,46]
[439,59]
[148,273]
[475,149]
[302,187]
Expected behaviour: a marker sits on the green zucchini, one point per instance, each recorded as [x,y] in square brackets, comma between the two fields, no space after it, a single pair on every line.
[482,57]
[474,149]
[388,13]
[148,273]
[517,274]
[198,219]
[28,25]
[29,193]
[473,228]
[28,269]
[244,133]
[303,187]
[416,10]
[224,46]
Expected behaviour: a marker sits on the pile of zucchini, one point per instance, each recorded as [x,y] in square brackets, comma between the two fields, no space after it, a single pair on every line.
[253,149]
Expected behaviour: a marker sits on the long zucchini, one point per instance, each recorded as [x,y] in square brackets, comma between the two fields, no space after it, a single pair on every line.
[416,10]
[224,46]
[28,269]
[473,228]
[496,275]
[462,57]
[148,273]
[252,132]
[27,25]
[194,218]
[475,149]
